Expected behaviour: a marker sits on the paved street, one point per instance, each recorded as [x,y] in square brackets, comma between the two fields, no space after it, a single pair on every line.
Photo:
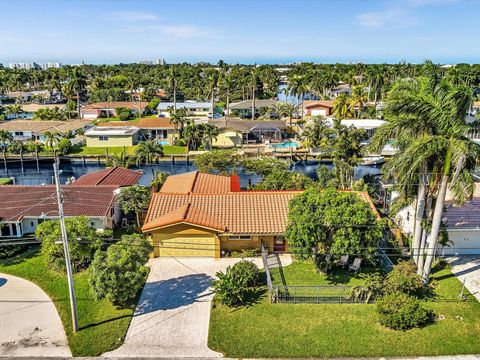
[29,323]
[468,268]
[172,316]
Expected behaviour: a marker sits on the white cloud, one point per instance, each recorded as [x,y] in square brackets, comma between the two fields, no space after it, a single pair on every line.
[133,16]
[394,18]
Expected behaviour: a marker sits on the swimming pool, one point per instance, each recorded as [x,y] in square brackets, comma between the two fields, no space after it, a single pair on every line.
[287,144]
[163,142]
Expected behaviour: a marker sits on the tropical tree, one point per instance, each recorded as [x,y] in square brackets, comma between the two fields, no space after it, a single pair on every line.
[358,99]
[134,199]
[35,147]
[13,110]
[191,134]
[78,83]
[17,147]
[5,139]
[226,86]
[120,160]
[318,134]
[147,150]
[209,133]
[51,141]
[158,180]
[342,107]
[298,86]
[172,81]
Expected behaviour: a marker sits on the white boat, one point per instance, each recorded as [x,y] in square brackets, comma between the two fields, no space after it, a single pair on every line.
[373,160]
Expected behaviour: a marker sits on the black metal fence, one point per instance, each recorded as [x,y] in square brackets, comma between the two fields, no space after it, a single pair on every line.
[313,294]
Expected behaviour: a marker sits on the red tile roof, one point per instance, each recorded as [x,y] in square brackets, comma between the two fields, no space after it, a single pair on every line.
[117,176]
[155,123]
[197,183]
[245,212]
[309,104]
[32,201]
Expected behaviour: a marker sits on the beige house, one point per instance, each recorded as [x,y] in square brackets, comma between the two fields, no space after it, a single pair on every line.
[103,136]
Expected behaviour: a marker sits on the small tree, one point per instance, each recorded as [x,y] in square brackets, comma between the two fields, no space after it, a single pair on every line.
[118,273]
[217,161]
[285,180]
[123,113]
[263,166]
[64,146]
[134,198]
[339,222]
[83,241]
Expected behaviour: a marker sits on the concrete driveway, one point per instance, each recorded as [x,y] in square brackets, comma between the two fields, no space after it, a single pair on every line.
[173,313]
[29,323]
[467,268]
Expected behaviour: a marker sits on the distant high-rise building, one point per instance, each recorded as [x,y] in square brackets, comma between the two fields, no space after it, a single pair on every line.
[146,62]
[160,61]
[26,66]
[48,65]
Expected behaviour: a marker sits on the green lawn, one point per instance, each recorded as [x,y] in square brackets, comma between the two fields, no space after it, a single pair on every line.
[102,326]
[130,150]
[343,330]
[6,181]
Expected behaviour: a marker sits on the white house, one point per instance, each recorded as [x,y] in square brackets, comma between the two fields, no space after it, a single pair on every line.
[192,108]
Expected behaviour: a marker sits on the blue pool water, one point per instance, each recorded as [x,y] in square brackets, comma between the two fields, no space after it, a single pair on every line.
[287,144]
[163,142]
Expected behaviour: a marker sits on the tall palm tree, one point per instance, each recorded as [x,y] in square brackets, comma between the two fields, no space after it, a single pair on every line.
[191,133]
[120,160]
[134,198]
[209,133]
[5,139]
[253,82]
[227,85]
[18,147]
[158,180]
[342,107]
[177,118]
[147,150]
[358,99]
[172,80]
[213,78]
[298,86]
[35,147]
[51,140]
[78,82]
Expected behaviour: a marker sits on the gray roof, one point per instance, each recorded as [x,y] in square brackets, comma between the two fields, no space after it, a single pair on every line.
[464,217]
[247,125]
[247,104]
[187,105]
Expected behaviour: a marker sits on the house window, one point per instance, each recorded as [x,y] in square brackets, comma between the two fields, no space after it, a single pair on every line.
[112,211]
[240,237]
[18,133]
[32,224]
[103,138]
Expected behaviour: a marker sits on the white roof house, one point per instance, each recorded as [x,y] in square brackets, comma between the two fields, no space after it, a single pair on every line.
[112,131]
[187,105]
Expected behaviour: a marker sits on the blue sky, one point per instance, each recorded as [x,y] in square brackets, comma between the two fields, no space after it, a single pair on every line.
[112,31]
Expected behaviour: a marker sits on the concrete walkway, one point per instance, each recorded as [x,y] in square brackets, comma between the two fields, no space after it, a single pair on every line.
[173,313]
[29,323]
[467,268]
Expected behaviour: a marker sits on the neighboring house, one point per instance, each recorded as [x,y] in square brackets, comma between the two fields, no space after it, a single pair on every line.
[29,110]
[25,130]
[462,224]
[35,95]
[115,176]
[108,136]
[236,132]
[24,207]
[192,108]
[318,107]
[160,129]
[107,109]
[205,215]
[159,93]
[244,108]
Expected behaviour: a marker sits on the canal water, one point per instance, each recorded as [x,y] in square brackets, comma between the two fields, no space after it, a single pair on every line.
[31,176]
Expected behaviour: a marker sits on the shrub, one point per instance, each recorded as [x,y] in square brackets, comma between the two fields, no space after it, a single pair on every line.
[64,146]
[123,113]
[8,251]
[370,290]
[231,290]
[83,241]
[247,270]
[404,278]
[400,311]
[118,273]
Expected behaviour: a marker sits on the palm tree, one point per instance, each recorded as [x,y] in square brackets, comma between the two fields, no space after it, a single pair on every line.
[318,135]
[134,198]
[358,99]
[209,133]
[158,181]
[298,86]
[342,107]
[212,86]
[17,147]
[253,84]
[172,80]
[5,139]
[35,147]
[14,110]
[147,150]
[191,133]
[226,85]
[120,160]
[51,141]
[177,118]
[78,83]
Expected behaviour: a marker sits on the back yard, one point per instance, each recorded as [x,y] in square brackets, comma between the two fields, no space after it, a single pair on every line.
[342,330]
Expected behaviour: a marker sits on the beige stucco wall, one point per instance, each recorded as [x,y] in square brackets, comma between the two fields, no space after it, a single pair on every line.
[125,140]
[226,141]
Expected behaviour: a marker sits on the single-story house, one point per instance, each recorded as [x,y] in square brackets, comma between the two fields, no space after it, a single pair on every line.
[159,93]
[244,108]
[160,129]
[114,176]
[205,215]
[107,136]
[25,130]
[29,110]
[38,95]
[236,132]
[107,109]
[193,108]
[24,207]
[318,107]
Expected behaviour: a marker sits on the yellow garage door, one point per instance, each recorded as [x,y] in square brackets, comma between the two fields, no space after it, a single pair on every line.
[188,246]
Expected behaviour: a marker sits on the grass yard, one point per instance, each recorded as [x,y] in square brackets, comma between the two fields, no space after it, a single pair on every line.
[174,150]
[342,330]
[6,181]
[130,150]
[102,326]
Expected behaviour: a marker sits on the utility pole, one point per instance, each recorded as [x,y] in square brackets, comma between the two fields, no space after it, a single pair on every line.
[71,289]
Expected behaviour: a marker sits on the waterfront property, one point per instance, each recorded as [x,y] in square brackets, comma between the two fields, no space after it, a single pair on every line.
[26,130]
[204,215]
[192,108]
[236,132]
[244,108]
[318,107]
[111,136]
[24,207]
[108,109]
[29,110]
[115,176]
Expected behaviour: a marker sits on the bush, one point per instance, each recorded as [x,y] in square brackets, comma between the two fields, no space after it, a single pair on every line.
[83,241]
[8,251]
[233,286]
[370,290]
[118,273]
[123,113]
[400,311]
[249,271]
[404,278]
[64,146]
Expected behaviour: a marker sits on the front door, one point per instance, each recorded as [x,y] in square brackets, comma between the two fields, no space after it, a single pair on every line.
[279,244]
